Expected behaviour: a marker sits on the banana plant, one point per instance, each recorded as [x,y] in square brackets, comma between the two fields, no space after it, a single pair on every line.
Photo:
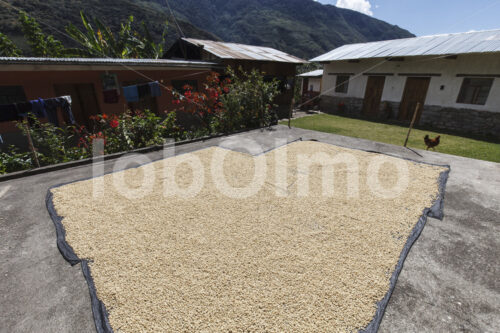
[98,40]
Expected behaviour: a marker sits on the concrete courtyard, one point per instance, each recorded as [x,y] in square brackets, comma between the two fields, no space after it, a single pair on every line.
[449,281]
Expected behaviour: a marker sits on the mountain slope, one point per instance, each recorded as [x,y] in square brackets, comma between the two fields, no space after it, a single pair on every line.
[303,28]
[54,16]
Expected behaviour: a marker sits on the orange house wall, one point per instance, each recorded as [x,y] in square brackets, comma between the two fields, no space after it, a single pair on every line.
[40,84]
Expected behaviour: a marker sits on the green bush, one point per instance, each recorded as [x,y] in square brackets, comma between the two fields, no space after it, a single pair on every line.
[133,130]
[130,130]
[240,101]
[248,102]
[13,160]
[53,144]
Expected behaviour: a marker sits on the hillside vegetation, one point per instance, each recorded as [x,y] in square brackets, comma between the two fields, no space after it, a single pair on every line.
[54,15]
[304,28]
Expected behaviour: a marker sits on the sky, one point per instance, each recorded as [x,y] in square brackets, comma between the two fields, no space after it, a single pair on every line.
[429,17]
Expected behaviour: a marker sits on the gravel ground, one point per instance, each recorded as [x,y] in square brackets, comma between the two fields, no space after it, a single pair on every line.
[273,261]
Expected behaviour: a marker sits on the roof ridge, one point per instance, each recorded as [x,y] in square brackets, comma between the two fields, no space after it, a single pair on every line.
[477,42]
[229,50]
[424,36]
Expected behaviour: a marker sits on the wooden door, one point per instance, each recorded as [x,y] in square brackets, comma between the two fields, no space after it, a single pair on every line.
[84,102]
[373,95]
[415,92]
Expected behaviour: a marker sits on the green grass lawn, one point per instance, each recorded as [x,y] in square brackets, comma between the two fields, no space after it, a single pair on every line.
[394,134]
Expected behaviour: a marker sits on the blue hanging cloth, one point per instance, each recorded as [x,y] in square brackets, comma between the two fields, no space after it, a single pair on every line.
[131,93]
[155,88]
[38,108]
[48,108]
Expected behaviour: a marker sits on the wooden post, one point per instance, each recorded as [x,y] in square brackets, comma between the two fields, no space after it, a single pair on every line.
[30,141]
[412,122]
[291,113]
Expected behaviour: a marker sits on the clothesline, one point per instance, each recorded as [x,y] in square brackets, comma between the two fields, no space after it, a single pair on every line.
[41,108]
[135,92]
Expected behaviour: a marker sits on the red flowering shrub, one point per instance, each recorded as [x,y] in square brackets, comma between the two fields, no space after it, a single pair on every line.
[205,104]
[131,130]
[114,123]
[236,102]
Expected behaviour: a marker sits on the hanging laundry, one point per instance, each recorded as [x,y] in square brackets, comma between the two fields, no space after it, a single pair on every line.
[144,91]
[17,111]
[131,93]
[111,96]
[155,89]
[63,102]
[66,106]
[38,108]
[41,108]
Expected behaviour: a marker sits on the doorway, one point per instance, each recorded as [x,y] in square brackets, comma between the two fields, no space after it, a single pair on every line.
[415,92]
[84,102]
[373,95]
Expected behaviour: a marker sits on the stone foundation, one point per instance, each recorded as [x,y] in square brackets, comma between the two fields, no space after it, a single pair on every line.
[478,123]
[352,106]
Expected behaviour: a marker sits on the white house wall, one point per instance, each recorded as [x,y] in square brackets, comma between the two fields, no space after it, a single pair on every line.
[312,81]
[394,85]
[316,83]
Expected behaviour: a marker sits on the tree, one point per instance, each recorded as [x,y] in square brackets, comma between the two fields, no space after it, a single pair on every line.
[41,45]
[250,99]
[98,40]
[8,48]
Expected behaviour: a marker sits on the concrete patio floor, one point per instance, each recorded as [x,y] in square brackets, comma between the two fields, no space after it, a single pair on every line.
[449,281]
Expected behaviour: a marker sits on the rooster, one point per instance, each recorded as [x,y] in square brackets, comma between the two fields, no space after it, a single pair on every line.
[432,143]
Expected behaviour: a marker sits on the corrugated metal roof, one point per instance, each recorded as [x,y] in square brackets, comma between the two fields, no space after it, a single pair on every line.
[468,42]
[316,73]
[244,52]
[106,61]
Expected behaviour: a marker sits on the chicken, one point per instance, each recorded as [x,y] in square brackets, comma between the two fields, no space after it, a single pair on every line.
[432,143]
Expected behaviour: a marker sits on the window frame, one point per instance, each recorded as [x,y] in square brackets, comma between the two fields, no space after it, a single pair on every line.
[467,83]
[342,86]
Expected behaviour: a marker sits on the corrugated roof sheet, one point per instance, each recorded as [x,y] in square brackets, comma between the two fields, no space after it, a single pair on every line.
[106,61]
[316,73]
[244,52]
[468,42]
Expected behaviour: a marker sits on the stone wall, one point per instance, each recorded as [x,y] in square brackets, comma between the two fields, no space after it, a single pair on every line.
[353,107]
[331,104]
[480,123]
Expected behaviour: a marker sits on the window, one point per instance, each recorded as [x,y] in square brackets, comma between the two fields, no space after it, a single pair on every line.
[475,91]
[342,84]
[178,85]
[12,94]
